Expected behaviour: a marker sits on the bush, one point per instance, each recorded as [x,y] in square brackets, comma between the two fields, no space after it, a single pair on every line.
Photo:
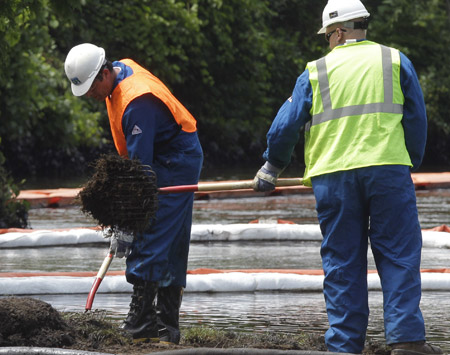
[13,213]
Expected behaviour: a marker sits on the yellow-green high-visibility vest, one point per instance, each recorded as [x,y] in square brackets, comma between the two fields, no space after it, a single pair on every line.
[356,111]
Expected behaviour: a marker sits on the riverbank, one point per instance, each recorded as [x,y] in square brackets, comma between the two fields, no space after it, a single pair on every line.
[28,322]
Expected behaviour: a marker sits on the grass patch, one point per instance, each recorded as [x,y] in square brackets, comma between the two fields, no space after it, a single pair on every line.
[214,338]
[94,330]
[210,337]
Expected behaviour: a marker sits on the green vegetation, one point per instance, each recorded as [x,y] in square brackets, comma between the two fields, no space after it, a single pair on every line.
[13,214]
[93,330]
[232,63]
[214,338]
[44,128]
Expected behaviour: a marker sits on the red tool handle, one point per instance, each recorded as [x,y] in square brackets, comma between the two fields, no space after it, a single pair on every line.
[225,186]
[98,280]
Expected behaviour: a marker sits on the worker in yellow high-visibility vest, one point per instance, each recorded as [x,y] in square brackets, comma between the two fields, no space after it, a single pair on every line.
[365,125]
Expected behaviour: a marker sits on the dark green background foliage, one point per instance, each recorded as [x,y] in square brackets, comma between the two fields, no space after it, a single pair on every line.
[231,62]
[13,213]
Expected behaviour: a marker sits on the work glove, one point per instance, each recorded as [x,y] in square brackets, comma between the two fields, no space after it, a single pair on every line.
[121,244]
[266,178]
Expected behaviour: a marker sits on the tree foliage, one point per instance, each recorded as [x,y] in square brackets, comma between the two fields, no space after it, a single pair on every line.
[421,30]
[232,63]
[13,213]
[43,126]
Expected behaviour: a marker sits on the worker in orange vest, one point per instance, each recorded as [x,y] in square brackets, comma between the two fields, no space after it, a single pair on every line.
[150,124]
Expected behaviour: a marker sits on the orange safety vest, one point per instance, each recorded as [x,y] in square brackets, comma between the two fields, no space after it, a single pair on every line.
[142,82]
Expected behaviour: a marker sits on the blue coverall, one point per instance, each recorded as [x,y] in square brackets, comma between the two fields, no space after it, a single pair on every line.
[153,136]
[375,203]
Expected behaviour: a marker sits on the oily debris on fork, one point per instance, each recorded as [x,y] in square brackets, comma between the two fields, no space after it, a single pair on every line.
[121,194]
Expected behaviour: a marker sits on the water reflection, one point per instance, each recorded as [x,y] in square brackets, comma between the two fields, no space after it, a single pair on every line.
[297,208]
[52,218]
[215,255]
[433,206]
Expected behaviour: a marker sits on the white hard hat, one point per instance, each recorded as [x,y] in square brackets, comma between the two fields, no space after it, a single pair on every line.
[82,66]
[340,11]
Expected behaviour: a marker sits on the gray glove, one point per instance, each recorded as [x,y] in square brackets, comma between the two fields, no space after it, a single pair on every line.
[266,177]
[121,244]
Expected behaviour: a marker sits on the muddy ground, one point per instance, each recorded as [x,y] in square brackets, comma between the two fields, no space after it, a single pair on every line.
[31,322]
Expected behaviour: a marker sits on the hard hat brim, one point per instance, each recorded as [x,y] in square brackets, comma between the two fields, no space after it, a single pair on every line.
[82,89]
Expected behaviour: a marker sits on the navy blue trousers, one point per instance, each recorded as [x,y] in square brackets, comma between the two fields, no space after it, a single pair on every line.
[161,254]
[376,204]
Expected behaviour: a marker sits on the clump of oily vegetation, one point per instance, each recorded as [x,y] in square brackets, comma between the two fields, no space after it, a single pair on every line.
[121,194]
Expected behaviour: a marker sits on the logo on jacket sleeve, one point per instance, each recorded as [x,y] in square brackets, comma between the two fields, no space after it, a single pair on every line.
[136,130]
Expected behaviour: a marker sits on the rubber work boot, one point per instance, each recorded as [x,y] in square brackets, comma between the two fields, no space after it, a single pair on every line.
[415,348]
[141,321]
[168,306]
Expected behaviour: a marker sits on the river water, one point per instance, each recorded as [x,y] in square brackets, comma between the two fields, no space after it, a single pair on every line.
[289,312]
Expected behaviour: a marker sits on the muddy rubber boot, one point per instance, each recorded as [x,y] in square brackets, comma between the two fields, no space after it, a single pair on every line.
[141,321]
[168,306]
[415,348]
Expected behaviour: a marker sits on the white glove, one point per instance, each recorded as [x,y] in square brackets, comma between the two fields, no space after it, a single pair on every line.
[266,177]
[121,244]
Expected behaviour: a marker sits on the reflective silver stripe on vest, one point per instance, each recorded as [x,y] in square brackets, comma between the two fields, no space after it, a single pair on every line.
[386,60]
[356,110]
